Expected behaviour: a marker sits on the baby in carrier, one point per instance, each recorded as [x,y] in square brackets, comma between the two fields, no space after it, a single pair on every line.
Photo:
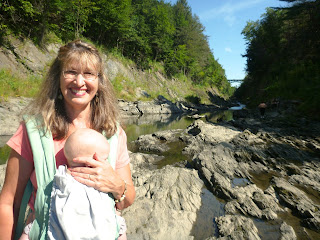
[76,210]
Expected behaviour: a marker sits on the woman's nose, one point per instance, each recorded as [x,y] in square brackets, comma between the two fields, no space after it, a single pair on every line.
[79,80]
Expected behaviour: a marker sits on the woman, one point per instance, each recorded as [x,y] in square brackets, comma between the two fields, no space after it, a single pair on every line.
[75,94]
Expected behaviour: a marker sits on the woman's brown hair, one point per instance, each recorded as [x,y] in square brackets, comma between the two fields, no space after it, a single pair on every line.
[50,105]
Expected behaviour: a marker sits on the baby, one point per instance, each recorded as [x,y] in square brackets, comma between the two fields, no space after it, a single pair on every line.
[85,142]
[76,210]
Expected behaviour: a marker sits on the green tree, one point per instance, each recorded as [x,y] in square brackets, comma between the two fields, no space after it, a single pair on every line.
[162,30]
[111,22]
[73,17]
[283,54]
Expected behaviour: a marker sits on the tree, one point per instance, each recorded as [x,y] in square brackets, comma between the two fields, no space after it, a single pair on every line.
[283,53]
[111,22]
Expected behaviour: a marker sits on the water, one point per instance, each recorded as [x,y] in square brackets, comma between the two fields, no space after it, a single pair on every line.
[239,182]
[211,207]
[239,107]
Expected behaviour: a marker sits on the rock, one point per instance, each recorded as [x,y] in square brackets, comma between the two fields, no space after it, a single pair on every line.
[287,232]
[141,93]
[312,223]
[236,227]
[10,114]
[296,199]
[308,177]
[251,201]
[157,142]
[128,108]
[212,133]
[165,205]
[148,143]
[24,57]
[243,113]
[140,161]
[2,174]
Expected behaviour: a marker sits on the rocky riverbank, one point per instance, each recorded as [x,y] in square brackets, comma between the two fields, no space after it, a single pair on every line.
[264,174]
[10,110]
[264,171]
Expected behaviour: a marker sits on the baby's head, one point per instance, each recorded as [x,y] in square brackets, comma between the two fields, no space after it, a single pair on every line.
[85,142]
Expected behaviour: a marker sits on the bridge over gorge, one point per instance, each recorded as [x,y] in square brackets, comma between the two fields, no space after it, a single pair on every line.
[235,80]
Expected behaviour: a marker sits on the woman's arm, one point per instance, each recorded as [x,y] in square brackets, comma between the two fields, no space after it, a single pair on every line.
[125,174]
[17,175]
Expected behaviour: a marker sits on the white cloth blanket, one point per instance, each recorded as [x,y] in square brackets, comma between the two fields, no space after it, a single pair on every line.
[80,212]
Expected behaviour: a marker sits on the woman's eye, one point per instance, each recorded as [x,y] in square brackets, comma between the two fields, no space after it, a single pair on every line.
[71,72]
[89,73]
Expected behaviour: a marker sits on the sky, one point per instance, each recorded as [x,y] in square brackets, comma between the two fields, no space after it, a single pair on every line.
[224,21]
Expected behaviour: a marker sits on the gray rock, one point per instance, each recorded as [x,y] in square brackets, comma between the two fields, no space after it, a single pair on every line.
[2,174]
[295,198]
[236,227]
[10,111]
[157,142]
[287,232]
[165,205]
[312,223]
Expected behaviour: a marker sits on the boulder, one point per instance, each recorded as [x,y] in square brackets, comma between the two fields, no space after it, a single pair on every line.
[236,227]
[165,206]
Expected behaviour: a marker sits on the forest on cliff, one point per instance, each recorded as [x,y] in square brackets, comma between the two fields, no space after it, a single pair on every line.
[145,31]
[283,56]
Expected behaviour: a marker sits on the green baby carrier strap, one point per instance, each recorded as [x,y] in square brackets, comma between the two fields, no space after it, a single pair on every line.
[45,167]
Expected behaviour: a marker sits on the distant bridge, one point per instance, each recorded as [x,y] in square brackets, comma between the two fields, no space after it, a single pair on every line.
[235,80]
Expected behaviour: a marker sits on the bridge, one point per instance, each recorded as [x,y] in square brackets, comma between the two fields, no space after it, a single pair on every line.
[235,80]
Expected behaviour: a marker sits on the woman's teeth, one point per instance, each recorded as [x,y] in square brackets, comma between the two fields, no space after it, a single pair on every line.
[78,91]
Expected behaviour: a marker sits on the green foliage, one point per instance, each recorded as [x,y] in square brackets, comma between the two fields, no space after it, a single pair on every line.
[283,59]
[145,31]
[13,85]
[4,154]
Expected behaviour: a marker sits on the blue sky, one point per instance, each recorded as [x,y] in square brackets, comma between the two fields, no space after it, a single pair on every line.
[224,21]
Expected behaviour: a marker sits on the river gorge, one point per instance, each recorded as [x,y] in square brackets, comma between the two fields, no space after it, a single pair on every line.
[211,173]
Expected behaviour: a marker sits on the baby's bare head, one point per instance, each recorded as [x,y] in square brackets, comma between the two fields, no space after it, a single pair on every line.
[85,142]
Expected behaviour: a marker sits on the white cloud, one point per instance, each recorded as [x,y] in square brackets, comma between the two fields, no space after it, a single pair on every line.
[227,49]
[228,10]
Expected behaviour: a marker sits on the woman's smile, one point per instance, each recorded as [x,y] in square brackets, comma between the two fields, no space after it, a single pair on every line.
[78,92]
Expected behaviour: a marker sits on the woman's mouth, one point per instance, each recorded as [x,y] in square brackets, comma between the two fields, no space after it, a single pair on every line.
[78,92]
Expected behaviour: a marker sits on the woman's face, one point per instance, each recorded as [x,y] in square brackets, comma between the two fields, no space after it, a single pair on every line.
[77,87]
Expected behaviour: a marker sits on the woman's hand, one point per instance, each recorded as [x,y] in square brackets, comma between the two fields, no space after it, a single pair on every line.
[98,174]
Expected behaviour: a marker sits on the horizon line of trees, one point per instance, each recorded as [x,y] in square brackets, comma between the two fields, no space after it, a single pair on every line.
[283,55]
[145,31]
